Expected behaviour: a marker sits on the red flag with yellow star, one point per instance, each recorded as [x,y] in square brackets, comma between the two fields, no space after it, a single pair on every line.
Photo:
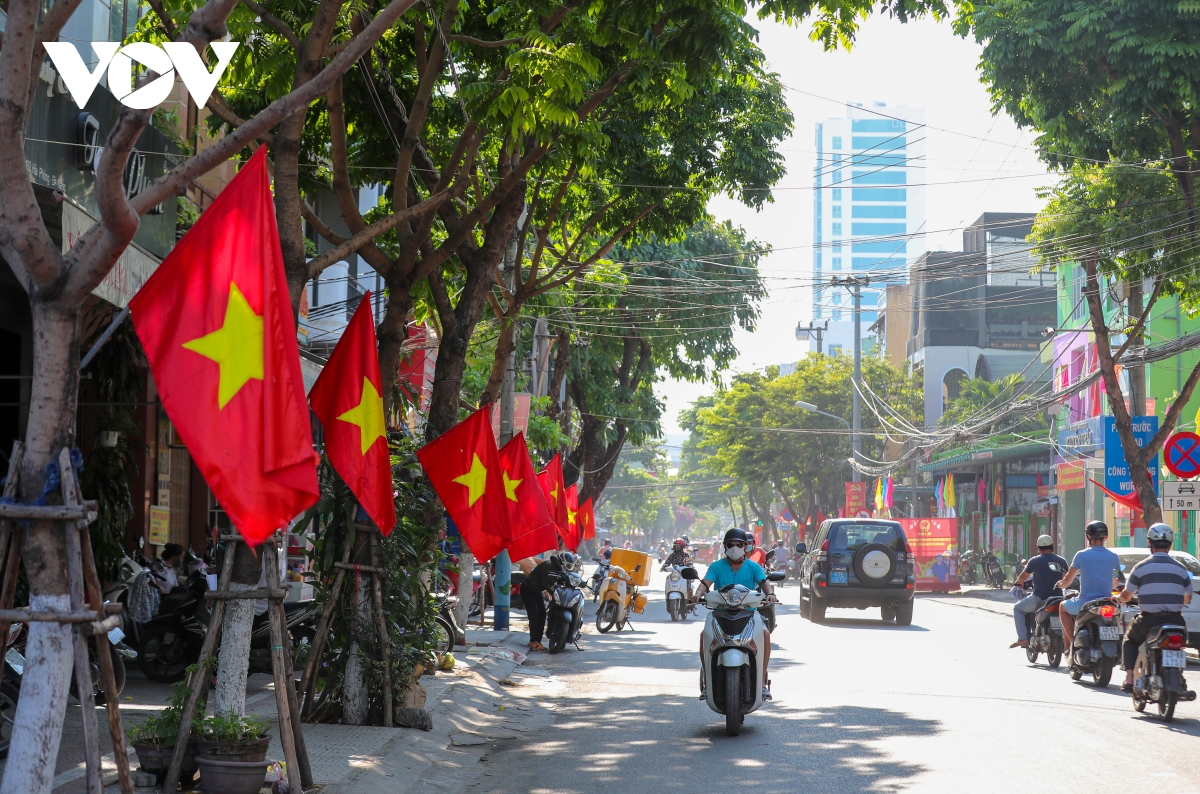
[574,532]
[528,514]
[348,400]
[216,323]
[464,468]
[551,480]
[587,519]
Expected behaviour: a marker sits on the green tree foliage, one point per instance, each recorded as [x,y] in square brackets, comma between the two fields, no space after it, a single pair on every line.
[639,488]
[977,396]
[1099,80]
[754,433]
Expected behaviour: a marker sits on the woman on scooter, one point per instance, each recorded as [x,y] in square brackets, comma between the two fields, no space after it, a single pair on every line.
[734,568]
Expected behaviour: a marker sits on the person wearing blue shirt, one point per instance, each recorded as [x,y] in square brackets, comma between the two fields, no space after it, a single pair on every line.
[734,568]
[1045,569]
[1095,566]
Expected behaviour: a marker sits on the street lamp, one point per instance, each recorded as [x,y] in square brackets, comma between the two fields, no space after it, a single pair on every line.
[816,410]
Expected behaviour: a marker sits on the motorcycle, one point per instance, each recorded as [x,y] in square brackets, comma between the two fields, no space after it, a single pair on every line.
[618,596]
[449,633]
[1158,673]
[677,592]
[993,572]
[733,673]
[1045,633]
[1097,643]
[967,572]
[598,577]
[172,641]
[564,618]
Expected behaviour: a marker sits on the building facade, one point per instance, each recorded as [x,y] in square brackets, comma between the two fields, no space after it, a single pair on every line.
[868,206]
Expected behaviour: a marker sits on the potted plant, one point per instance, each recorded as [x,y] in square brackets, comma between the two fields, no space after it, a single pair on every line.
[232,754]
[154,738]
[232,737]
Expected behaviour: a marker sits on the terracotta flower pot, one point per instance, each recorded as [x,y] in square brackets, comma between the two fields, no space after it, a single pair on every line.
[244,750]
[155,758]
[231,777]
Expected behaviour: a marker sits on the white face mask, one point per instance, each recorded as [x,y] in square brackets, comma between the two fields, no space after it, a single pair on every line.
[735,553]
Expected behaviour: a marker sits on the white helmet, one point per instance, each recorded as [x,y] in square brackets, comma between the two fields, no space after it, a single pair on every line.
[1160,533]
[1044,541]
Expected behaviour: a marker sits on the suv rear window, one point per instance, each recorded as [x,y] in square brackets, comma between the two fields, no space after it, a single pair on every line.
[851,537]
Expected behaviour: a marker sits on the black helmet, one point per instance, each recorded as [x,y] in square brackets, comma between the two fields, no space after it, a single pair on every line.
[1097,529]
[569,560]
[735,534]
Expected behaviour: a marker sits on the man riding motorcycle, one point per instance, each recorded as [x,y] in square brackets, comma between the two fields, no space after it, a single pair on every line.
[734,568]
[1046,569]
[1095,567]
[1162,586]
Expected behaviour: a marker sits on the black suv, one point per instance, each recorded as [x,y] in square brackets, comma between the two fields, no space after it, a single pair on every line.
[861,563]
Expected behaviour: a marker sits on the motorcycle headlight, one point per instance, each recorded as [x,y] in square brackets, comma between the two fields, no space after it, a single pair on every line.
[734,597]
[578,597]
[560,597]
[675,576]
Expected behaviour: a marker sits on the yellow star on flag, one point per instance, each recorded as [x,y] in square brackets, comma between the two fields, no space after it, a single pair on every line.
[475,480]
[554,493]
[571,515]
[510,486]
[237,346]
[368,415]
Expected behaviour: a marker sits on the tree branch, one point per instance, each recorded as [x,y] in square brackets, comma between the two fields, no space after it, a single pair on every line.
[369,233]
[481,43]
[273,22]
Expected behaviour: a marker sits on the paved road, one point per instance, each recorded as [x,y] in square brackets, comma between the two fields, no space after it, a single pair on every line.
[941,706]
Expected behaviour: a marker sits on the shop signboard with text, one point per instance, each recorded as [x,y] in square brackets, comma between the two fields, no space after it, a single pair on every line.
[1071,476]
[856,499]
[1116,470]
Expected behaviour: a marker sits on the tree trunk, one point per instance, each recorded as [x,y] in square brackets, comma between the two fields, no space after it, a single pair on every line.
[506,342]
[466,573]
[391,334]
[233,659]
[37,729]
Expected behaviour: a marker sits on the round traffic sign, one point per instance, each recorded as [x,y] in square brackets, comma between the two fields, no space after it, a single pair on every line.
[1181,455]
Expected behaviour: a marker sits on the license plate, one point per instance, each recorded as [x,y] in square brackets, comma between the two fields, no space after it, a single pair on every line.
[838,576]
[1056,623]
[1110,632]
[116,635]
[1174,659]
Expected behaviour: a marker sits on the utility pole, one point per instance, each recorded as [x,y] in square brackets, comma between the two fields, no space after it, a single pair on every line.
[855,285]
[802,333]
[503,581]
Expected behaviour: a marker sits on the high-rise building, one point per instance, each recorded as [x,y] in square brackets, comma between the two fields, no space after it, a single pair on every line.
[868,206]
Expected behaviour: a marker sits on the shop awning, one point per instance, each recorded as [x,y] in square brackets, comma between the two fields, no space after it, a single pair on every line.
[980,455]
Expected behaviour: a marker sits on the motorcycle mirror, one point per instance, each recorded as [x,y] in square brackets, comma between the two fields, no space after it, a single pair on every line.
[776,576]
[142,542]
[689,574]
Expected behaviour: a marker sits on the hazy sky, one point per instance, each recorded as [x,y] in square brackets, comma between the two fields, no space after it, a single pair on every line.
[977,162]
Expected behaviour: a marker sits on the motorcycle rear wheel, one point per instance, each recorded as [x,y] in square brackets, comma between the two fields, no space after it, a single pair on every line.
[1031,653]
[606,617]
[165,655]
[1055,654]
[733,700]
[1102,674]
[1076,674]
[1166,708]
[558,638]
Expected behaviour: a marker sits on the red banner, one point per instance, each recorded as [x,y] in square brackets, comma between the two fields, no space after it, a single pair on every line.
[856,500]
[934,543]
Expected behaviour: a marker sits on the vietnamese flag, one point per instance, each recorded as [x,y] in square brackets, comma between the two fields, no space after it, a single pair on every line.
[348,400]
[527,510]
[464,468]
[216,323]
[551,480]
[574,532]
[587,520]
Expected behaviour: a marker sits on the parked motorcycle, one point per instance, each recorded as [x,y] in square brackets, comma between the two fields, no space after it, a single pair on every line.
[450,633]
[1045,633]
[967,567]
[677,592]
[993,572]
[733,672]
[1158,673]
[564,617]
[598,577]
[618,596]
[1097,643]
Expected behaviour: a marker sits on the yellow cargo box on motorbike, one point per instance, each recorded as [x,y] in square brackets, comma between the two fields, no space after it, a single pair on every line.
[630,560]
[639,602]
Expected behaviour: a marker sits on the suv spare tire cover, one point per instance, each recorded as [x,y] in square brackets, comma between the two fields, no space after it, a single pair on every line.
[874,564]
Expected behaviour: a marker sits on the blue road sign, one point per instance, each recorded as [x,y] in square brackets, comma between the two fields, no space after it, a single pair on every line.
[1116,469]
